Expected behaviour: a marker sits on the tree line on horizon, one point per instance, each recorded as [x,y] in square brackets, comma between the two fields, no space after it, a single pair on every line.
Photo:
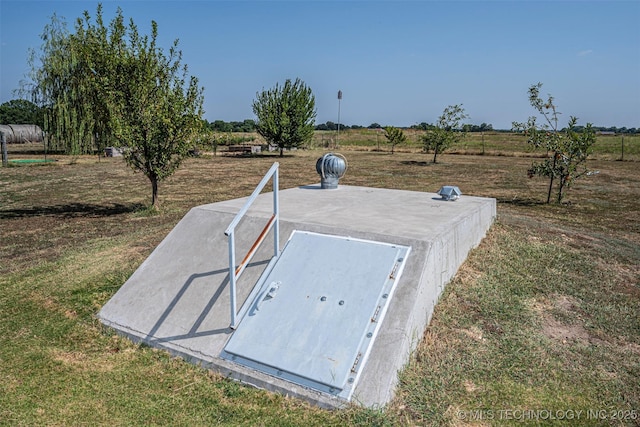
[249,125]
[23,112]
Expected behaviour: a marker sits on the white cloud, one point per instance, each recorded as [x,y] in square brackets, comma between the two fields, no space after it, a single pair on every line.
[585,52]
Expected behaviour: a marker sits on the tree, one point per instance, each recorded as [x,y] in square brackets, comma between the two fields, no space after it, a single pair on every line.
[286,114]
[67,80]
[154,111]
[329,125]
[221,126]
[568,147]
[486,127]
[21,112]
[102,84]
[422,126]
[248,125]
[59,87]
[446,132]
[395,136]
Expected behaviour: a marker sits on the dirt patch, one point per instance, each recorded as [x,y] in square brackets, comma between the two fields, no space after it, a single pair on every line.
[558,330]
[566,303]
[470,387]
[474,332]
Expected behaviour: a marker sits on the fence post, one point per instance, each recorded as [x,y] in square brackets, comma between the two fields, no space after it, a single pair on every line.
[622,144]
[4,149]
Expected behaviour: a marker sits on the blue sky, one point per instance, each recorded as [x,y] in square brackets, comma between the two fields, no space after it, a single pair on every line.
[397,62]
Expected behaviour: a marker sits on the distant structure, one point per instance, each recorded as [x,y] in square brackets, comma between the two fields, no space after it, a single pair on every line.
[20,134]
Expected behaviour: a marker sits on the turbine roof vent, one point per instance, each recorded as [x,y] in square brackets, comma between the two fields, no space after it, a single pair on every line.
[331,167]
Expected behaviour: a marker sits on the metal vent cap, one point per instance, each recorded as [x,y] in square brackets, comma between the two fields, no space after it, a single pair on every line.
[449,192]
[331,167]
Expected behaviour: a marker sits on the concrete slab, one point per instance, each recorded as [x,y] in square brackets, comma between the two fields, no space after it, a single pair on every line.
[178,299]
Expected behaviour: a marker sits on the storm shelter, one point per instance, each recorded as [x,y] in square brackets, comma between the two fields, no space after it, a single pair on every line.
[330,319]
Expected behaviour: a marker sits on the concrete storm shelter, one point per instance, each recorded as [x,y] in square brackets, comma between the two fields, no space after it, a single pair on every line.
[329,311]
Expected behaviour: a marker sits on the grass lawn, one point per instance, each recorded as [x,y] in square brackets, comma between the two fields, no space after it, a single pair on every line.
[541,321]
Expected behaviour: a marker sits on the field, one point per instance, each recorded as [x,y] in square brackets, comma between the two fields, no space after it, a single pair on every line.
[609,147]
[541,321]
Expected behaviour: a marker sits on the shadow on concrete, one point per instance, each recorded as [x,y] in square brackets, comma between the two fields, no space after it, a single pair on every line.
[193,331]
[310,187]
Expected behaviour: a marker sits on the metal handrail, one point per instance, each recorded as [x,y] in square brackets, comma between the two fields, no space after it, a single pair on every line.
[274,222]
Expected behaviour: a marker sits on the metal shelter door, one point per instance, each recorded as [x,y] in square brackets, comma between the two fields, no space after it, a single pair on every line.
[318,311]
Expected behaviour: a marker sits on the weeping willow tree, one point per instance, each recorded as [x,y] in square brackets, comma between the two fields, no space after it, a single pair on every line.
[102,84]
[63,85]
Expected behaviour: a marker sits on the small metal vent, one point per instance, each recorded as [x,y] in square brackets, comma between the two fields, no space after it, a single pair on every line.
[450,192]
[331,167]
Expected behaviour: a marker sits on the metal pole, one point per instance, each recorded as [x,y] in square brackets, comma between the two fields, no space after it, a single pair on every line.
[276,212]
[4,149]
[338,136]
[232,278]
